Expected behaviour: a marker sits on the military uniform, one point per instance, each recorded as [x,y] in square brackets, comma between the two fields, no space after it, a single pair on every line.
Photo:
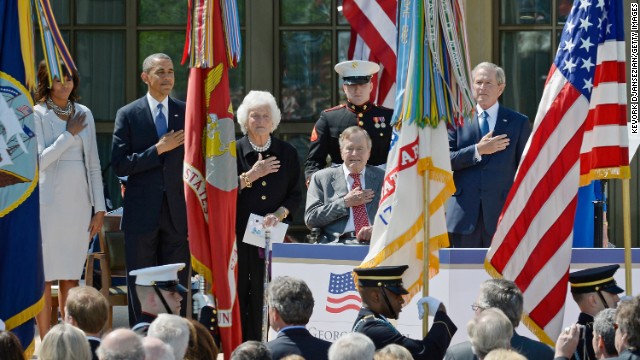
[383,333]
[586,341]
[376,120]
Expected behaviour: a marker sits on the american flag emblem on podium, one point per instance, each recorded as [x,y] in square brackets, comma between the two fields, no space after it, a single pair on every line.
[343,295]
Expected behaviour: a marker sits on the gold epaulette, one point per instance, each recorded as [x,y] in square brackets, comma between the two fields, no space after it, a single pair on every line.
[335,108]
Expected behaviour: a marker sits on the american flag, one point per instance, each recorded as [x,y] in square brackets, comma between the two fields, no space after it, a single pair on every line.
[373,38]
[343,295]
[579,134]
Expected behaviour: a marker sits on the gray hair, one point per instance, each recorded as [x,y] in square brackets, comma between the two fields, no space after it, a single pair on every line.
[502,79]
[65,341]
[253,100]
[251,350]
[156,349]
[150,61]
[121,344]
[393,352]
[490,330]
[352,346]
[504,354]
[603,326]
[173,330]
[353,130]
[292,299]
[504,295]
[628,319]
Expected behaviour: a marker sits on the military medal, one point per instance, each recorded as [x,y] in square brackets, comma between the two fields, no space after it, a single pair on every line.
[382,123]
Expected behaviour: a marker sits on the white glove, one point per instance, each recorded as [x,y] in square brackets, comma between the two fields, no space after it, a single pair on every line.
[2,327]
[433,303]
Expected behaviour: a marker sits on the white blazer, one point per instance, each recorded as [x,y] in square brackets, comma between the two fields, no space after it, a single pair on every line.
[50,148]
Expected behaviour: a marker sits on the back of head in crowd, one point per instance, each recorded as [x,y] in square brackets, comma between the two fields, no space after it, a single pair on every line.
[292,299]
[65,342]
[393,352]
[504,354]
[504,295]
[490,330]
[87,309]
[156,349]
[251,350]
[10,347]
[121,344]
[173,330]
[201,344]
[628,320]
[604,333]
[352,346]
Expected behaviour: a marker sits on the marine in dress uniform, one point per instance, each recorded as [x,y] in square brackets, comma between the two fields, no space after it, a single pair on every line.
[358,111]
[600,283]
[168,292]
[381,290]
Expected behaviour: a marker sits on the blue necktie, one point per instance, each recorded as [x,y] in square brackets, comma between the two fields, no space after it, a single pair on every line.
[161,122]
[484,124]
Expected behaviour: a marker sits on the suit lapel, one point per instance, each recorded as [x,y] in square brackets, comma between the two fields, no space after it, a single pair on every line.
[501,122]
[145,116]
[174,116]
[339,182]
[373,182]
[475,127]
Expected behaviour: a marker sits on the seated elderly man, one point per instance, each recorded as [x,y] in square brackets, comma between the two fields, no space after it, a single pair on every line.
[343,200]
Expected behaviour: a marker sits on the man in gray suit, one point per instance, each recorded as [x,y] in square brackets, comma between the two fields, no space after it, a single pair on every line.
[343,200]
[506,296]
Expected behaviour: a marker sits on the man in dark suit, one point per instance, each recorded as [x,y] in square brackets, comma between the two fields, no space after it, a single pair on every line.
[485,154]
[358,111]
[382,290]
[290,308]
[343,200]
[148,148]
[506,296]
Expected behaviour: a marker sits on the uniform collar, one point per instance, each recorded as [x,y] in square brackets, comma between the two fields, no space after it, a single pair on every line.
[359,108]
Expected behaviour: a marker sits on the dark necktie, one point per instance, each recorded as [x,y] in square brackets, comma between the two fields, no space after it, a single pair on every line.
[161,122]
[360,218]
[484,124]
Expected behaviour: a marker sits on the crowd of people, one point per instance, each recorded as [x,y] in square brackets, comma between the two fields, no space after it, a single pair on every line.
[341,203]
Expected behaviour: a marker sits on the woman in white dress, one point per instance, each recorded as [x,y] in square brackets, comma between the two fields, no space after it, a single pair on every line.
[70,185]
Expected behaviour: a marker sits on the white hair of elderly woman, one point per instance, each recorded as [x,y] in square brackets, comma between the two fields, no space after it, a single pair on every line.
[352,346]
[255,99]
[172,330]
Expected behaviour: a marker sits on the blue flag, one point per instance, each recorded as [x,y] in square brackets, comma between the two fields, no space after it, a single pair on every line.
[21,273]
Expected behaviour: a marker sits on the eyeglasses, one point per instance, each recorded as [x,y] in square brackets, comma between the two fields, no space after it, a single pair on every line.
[476,307]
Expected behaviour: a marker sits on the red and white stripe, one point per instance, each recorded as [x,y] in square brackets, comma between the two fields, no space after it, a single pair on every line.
[373,38]
[533,241]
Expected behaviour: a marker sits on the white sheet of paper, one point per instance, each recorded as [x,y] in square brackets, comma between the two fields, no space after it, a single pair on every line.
[254,234]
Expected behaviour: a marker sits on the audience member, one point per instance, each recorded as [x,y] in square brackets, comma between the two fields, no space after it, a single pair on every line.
[64,342]
[504,354]
[358,111]
[628,329]
[201,344]
[156,349]
[382,291]
[290,308]
[251,350]
[604,334]
[393,352]
[506,296]
[69,168]
[568,342]
[342,201]
[173,330]
[593,290]
[490,330]
[10,347]
[88,310]
[269,177]
[292,357]
[147,147]
[159,291]
[485,153]
[121,344]
[352,346]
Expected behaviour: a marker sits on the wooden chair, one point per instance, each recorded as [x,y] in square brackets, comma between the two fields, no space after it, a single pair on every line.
[112,263]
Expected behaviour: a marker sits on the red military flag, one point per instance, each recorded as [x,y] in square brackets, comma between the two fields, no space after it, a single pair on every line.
[373,38]
[579,135]
[210,174]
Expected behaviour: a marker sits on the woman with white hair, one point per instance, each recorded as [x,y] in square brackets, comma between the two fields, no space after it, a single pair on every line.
[65,342]
[488,331]
[269,176]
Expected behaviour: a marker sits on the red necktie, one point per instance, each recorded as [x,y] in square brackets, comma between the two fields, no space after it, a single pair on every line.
[360,218]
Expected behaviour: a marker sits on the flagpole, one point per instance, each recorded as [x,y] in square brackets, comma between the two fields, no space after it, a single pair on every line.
[425,251]
[626,225]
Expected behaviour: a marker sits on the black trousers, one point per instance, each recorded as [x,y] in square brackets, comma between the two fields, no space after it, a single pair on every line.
[159,247]
[250,290]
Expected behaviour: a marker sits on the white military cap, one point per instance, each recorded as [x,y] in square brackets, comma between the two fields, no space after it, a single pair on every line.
[356,71]
[163,276]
